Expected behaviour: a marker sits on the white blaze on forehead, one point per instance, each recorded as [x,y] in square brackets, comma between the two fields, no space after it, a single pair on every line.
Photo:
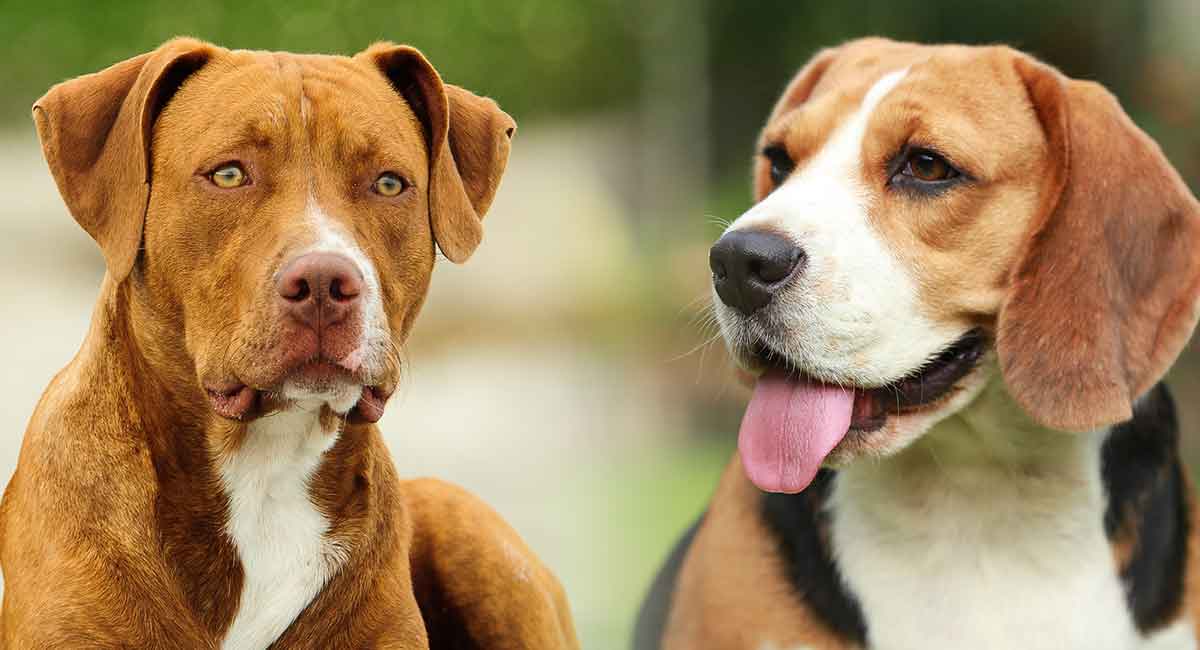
[853,315]
[331,237]
[834,170]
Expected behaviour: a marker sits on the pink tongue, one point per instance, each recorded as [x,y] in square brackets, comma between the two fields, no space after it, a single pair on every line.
[789,428]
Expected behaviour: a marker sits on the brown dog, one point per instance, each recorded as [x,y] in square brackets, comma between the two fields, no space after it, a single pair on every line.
[205,473]
[962,282]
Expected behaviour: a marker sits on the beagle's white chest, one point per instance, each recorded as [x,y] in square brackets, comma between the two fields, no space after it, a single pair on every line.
[949,555]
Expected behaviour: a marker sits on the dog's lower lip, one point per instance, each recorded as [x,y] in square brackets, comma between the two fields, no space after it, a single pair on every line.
[227,389]
[371,404]
[231,400]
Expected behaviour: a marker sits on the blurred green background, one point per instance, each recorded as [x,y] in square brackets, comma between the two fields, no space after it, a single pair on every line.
[567,374]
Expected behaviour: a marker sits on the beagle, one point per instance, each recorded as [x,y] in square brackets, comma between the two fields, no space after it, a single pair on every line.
[959,290]
[206,472]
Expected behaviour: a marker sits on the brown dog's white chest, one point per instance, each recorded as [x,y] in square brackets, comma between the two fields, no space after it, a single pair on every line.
[279,532]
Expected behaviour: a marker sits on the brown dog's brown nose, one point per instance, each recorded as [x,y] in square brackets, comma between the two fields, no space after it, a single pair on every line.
[319,289]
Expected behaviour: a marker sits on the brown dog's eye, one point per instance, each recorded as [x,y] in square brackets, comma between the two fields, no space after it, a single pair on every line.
[229,176]
[389,184]
[928,167]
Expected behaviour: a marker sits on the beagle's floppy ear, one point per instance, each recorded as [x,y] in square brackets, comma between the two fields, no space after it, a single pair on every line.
[1107,289]
[797,92]
[468,138]
[801,87]
[96,133]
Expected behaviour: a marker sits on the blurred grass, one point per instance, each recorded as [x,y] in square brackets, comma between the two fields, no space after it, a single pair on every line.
[651,501]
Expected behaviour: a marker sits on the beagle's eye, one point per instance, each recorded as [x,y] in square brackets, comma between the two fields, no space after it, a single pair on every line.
[928,167]
[229,176]
[389,184]
[782,164]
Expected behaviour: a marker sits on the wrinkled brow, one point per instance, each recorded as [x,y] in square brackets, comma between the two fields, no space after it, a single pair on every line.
[258,134]
[350,145]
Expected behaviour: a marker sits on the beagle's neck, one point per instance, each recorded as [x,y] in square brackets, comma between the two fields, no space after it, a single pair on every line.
[990,455]
[1003,529]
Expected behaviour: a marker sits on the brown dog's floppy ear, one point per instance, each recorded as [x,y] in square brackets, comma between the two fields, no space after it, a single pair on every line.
[96,133]
[468,138]
[1107,289]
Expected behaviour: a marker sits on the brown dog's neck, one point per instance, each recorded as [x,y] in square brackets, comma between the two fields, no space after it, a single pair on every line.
[137,350]
[137,359]
[113,376]
[133,363]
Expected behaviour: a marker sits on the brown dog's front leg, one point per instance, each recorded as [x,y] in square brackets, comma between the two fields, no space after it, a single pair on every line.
[477,583]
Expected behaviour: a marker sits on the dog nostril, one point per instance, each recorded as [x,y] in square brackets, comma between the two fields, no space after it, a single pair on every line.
[755,267]
[342,290]
[297,292]
[775,268]
[719,272]
[716,262]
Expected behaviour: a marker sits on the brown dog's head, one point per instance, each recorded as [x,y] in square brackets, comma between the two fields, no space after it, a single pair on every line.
[929,218]
[273,215]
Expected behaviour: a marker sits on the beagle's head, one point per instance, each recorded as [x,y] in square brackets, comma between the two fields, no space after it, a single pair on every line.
[931,218]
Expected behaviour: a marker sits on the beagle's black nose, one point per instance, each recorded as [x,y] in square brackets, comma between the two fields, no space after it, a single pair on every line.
[750,266]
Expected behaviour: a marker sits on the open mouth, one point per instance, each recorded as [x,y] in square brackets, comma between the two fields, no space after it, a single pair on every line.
[923,386]
[794,421]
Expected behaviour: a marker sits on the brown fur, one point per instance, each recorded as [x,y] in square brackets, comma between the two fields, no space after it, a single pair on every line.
[1134,264]
[1191,590]
[112,528]
[739,601]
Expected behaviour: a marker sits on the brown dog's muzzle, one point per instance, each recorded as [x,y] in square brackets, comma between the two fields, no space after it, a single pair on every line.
[318,323]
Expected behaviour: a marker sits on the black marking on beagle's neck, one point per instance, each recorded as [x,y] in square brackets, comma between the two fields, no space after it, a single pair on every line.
[800,525]
[1148,517]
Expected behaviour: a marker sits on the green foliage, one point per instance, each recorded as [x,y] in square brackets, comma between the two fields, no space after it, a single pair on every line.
[534,56]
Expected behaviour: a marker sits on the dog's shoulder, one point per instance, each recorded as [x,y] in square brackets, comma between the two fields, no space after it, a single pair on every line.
[82,433]
[475,576]
[758,567]
[68,531]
